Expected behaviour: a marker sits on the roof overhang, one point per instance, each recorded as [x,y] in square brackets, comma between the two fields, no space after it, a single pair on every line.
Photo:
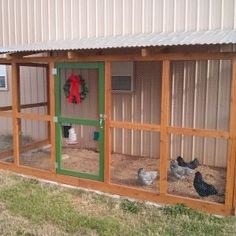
[137,40]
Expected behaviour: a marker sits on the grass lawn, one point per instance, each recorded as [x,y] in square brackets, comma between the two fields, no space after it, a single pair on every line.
[29,207]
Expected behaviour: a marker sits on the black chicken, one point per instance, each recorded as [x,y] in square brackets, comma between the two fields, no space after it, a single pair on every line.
[203,189]
[192,164]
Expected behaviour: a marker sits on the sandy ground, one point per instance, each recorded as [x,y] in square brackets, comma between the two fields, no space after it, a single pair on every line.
[124,170]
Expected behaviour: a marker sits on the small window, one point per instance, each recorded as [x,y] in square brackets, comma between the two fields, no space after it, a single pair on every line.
[121,83]
[3,78]
[122,77]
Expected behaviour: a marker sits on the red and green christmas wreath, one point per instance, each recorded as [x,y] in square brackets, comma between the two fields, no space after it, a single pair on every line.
[75,89]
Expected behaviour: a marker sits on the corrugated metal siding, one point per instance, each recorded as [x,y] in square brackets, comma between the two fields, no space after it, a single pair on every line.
[23,21]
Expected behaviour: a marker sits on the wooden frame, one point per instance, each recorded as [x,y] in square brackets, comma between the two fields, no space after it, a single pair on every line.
[97,122]
[163,128]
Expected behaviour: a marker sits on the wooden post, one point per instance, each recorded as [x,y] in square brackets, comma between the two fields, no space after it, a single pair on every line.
[230,179]
[51,98]
[164,148]
[15,109]
[48,100]
[107,140]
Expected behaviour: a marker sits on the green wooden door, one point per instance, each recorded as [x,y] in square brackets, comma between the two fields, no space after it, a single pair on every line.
[84,156]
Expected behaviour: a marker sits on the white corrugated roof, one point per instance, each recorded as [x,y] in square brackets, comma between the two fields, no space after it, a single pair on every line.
[138,40]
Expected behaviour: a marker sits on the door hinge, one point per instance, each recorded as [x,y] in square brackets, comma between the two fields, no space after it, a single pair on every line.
[54,71]
[55,119]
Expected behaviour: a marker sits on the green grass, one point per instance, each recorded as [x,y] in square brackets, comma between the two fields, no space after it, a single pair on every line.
[28,207]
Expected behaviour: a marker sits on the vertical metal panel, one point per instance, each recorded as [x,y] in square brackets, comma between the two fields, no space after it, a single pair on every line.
[52,19]
[83,19]
[24,21]
[215,14]
[147,16]
[137,16]
[91,9]
[158,16]
[5,22]
[31,21]
[203,14]
[169,15]
[67,13]
[128,17]
[1,25]
[228,14]
[38,24]
[11,24]
[100,18]
[109,17]
[118,17]
[180,14]
[191,15]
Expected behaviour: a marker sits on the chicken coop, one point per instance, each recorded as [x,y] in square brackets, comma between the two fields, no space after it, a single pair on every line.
[151,116]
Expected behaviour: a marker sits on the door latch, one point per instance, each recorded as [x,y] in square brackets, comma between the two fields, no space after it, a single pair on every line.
[102,118]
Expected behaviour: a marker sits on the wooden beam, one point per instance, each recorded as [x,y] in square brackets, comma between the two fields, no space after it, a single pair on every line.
[230,178]
[30,116]
[198,132]
[25,106]
[107,175]
[51,99]
[135,126]
[6,153]
[34,145]
[25,148]
[6,114]
[128,57]
[164,147]
[42,65]
[15,110]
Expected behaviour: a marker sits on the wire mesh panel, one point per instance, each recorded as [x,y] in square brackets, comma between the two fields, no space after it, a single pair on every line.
[80,148]
[6,140]
[79,93]
[35,148]
[200,94]
[197,167]
[135,158]
[33,89]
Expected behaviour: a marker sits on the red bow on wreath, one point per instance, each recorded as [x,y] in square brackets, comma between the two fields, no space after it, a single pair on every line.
[74,93]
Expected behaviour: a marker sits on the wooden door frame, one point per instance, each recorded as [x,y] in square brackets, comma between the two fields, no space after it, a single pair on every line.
[78,121]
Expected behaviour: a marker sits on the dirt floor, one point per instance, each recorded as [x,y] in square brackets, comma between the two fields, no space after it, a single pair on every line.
[124,170]
[82,160]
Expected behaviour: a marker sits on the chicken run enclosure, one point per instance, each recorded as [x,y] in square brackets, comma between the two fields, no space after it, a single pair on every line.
[128,113]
